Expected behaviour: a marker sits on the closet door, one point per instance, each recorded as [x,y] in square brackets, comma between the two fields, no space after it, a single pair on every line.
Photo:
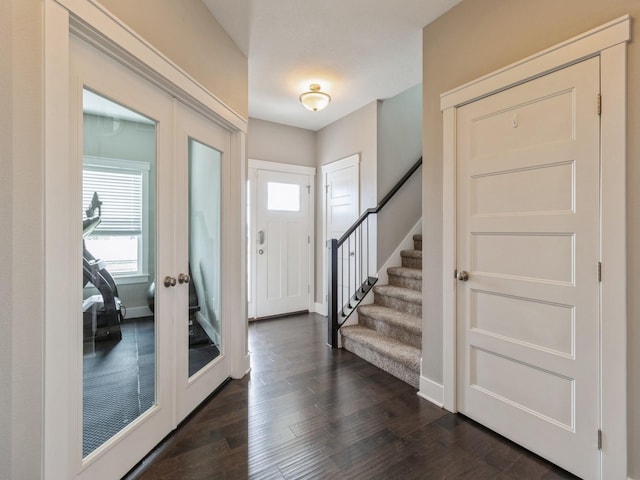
[122,144]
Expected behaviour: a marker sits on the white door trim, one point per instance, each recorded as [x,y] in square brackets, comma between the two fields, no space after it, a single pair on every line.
[254,166]
[95,25]
[350,161]
[609,43]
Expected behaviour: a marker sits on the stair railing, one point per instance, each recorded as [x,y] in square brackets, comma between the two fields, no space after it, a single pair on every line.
[348,272]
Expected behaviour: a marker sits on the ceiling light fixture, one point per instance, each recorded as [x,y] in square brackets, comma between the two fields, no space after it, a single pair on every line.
[314,99]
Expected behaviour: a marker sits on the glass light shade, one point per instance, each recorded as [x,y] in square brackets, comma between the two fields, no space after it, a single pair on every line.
[315,100]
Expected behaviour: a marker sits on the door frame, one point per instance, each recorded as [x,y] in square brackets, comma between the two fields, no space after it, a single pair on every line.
[608,42]
[95,25]
[252,226]
[346,162]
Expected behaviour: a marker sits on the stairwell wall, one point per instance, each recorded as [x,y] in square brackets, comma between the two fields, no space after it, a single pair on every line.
[399,147]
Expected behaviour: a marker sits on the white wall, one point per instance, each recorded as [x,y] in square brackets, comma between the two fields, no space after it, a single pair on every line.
[274,142]
[478,37]
[399,147]
[355,133]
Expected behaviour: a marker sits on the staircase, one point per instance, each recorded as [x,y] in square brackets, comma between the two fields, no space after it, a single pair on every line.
[389,331]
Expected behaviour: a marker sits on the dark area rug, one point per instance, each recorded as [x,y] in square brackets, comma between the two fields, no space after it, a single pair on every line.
[118,382]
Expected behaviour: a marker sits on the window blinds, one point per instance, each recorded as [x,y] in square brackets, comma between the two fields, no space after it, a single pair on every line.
[120,192]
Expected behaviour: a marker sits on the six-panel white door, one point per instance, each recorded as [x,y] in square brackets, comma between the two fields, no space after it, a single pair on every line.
[528,237]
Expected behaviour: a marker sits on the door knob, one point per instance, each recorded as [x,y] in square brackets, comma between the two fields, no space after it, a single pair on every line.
[261,251]
[183,278]
[169,281]
[463,276]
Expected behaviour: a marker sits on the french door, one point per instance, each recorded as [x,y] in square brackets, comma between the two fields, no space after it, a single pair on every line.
[150,330]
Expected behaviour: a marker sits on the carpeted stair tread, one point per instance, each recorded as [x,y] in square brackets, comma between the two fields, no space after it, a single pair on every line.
[411,253]
[401,326]
[417,237]
[392,317]
[401,293]
[392,356]
[413,273]
[405,277]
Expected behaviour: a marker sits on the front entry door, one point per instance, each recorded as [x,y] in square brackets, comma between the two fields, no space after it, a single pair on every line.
[527,258]
[282,243]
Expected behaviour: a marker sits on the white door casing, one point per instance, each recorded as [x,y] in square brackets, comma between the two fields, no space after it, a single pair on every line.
[528,235]
[282,243]
[608,44]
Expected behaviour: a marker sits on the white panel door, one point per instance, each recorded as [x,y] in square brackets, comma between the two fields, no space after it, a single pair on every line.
[342,207]
[282,243]
[528,236]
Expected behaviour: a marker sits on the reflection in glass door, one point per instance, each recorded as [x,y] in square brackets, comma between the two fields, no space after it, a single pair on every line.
[205,312]
[119,340]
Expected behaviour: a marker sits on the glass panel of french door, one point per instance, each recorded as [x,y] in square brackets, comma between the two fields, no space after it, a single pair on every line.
[118,266]
[205,312]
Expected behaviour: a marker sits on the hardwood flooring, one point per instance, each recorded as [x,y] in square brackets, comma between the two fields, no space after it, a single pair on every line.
[306,411]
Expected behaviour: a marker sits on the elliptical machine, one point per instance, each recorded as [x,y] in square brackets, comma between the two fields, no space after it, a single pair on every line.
[102,313]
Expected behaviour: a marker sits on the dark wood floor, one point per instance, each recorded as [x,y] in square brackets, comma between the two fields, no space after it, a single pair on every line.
[307,411]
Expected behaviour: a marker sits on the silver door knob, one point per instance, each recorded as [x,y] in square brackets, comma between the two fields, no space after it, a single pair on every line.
[183,278]
[463,276]
[169,281]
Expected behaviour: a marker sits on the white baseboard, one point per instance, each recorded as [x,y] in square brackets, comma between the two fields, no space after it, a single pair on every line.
[137,312]
[431,391]
[321,308]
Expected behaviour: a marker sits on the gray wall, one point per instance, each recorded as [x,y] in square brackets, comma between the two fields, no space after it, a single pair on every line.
[355,133]
[6,240]
[477,37]
[186,32]
[274,142]
[399,147]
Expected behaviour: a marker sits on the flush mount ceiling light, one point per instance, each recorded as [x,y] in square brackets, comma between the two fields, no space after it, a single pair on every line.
[314,99]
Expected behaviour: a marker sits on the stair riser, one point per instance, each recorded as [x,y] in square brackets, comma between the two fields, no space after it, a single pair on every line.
[400,281]
[403,372]
[411,262]
[410,337]
[417,244]
[398,304]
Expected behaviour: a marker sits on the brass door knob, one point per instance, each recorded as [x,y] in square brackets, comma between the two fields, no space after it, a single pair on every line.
[183,278]
[169,281]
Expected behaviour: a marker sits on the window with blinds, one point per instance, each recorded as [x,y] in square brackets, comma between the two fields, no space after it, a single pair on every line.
[122,188]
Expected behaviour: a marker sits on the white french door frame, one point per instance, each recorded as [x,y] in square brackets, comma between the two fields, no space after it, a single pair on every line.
[608,42]
[254,166]
[92,23]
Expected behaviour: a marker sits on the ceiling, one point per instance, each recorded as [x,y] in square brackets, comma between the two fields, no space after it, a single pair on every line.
[357,50]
